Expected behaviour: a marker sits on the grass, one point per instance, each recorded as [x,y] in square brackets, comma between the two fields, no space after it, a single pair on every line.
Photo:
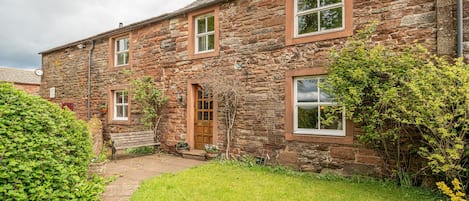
[140,150]
[232,181]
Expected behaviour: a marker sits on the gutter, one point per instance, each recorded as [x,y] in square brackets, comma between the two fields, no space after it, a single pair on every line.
[459,20]
[89,78]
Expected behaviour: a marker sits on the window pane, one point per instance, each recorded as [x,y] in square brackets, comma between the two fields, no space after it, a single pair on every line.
[119,111]
[328,2]
[331,117]
[126,57]
[122,58]
[199,115]
[124,113]
[126,44]
[323,96]
[308,117]
[200,93]
[200,105]
[122,44]
[210,23]
[307,4]
[331,19]
[202,43]
[205,104]
[211,115]
[205,115]
[211,42]
[211,104]
[307,90]
[308,23]
[118,45]
[118,97]
[201,25]
[125,97]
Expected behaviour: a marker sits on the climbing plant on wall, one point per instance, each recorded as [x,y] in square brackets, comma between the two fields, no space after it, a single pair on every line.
[150,98]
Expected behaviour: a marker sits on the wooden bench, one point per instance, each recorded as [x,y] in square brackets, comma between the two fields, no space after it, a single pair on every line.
[133,140]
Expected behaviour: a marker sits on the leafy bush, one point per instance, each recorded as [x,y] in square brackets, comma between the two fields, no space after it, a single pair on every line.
[456,193]
[412,105]
[150,98]
[44,151]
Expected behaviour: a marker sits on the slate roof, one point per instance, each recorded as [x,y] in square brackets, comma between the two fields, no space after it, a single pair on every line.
[195,5]
[24,76]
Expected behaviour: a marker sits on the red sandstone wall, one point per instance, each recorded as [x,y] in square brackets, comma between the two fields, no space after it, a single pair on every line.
[251,33]
[30,88]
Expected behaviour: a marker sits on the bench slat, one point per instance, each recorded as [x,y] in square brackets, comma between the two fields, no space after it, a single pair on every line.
[133,138]
[132,133]
[132,142]
[136,145]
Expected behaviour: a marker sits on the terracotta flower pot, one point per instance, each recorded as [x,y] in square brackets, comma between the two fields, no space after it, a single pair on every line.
[104,110]
[211,156]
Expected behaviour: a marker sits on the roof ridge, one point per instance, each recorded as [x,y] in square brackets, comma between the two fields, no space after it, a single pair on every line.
[15,68]
[195,5]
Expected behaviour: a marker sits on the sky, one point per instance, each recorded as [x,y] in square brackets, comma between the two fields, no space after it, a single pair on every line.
[28,27]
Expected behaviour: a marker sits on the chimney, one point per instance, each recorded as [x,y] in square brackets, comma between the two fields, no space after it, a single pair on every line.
[121,24]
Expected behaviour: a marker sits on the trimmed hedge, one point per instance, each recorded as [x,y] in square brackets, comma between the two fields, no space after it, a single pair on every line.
[44,150]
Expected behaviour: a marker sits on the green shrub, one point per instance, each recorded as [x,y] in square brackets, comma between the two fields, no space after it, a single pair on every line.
[44,151]
[413,106]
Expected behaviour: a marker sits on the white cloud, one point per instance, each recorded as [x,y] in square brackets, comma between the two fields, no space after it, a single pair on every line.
[29,27]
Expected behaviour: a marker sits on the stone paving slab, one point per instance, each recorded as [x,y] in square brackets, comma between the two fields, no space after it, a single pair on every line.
[130,172]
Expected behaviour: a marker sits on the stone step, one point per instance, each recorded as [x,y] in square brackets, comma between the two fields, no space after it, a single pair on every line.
[194,154]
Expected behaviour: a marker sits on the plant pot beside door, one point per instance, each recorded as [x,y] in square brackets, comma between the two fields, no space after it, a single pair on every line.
[210,156]
[182,147]
[211,151]
[103,109]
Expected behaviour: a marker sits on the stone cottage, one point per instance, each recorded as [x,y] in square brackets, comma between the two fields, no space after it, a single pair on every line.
[25,79]
[278,49]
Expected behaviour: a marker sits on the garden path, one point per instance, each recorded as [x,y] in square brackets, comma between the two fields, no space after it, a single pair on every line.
[130,172]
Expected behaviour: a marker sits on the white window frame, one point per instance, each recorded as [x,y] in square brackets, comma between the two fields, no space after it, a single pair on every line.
[206,34]
[296,104]
[123,105]
[117,53]
[317,10]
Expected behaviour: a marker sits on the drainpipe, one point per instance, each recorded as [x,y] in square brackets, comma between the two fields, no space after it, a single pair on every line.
[460,28]
[89,79]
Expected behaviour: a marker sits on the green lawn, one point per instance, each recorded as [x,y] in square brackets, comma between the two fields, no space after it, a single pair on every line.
[231,181]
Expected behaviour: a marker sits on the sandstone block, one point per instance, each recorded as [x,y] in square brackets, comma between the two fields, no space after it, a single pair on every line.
[311,168]
[422,18]
[344,153]
[372,160]
[288,158]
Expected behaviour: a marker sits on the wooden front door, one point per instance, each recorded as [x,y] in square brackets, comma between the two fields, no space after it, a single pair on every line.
[203,124]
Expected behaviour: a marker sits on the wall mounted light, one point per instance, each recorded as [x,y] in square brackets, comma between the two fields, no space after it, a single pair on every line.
[179,97]
[238,66]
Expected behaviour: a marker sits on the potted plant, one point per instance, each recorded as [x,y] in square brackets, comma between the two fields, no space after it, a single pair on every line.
[182,146]
[212,151]
[103,108]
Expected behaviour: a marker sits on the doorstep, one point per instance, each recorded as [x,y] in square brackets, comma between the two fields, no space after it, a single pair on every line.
[193,154]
